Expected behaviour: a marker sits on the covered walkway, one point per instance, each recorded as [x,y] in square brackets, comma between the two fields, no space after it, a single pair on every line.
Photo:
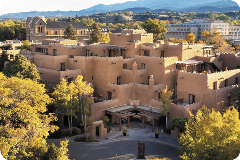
[143,112]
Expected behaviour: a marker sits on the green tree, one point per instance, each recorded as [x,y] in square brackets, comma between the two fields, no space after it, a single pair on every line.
[179,122]
[22,68]
[70,32]
[165,99]
[26,45]
[24,123]
[95,36]
[88,21]
[3,59]
[155,27]
[211,135]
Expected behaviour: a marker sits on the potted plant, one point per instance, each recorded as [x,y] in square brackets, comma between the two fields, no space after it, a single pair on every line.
[156,133]
[124,131]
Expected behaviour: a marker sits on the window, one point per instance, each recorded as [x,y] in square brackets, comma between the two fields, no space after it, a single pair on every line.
[125,66]
[146,53]
[70,80]
[103,52]
[118,80]
[88,52]
[62,66]
[38,29]
[81,32]
[191,98]
[109,95]
[54,52]
[226,83]
[92,77]
[162,54]
[56,33]
[159,95]
[143,66]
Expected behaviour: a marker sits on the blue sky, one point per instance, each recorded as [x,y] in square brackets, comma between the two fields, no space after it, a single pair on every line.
[15,6]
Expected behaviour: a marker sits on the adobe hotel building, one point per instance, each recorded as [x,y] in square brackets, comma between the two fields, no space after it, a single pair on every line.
[131,71]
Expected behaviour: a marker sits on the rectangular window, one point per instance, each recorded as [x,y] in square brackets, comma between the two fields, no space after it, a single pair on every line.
[125,66]
[162,54]
[226,83]
[62,66]
[70,80]
[103,52]
[109,95]
[54,52]
[118,80]
[143,66]
[191,98]
[146,53]
[88,53]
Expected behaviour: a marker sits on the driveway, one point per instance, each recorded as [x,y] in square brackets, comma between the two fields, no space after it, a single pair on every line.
[125,147]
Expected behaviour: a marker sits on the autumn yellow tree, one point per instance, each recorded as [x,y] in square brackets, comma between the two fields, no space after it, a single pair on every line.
[165,99]
[105,38]
[214,38]
[211,135]
[190,38]
[71,98]
[23,118]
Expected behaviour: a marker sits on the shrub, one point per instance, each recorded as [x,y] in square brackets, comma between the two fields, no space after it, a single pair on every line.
[168,129]
[80,139]
[179,122]
[90,139]
[96,55]
[108,128]
[91,54]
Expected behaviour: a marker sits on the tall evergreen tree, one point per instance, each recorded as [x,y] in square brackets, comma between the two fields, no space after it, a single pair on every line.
[95,36]
[70,32]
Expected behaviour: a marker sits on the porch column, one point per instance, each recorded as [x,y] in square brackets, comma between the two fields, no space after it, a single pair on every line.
[129,121]
[143,121]
[120,124]
[153,125]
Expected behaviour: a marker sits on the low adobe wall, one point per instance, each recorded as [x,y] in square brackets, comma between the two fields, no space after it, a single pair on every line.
[98,109]
[182,111]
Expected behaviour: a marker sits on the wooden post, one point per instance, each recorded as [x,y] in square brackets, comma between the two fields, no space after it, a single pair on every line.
[153,125]
[143,121]
[128,121]
[120,124]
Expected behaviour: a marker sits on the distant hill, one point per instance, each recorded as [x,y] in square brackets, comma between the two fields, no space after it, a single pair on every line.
[141,6]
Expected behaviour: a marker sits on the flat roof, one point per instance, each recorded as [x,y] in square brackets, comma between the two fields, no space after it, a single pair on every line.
[189,62]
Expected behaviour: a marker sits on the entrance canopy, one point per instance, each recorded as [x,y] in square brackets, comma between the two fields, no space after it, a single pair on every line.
[126,111]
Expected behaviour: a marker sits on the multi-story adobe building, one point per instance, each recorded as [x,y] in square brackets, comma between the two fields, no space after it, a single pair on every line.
[130,73]
[38,29]
[197,26]
[11,48]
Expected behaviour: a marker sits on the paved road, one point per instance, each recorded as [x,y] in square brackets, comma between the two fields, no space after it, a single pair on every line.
[124,147]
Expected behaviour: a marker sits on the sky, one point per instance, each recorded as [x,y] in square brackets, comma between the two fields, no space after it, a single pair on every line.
[15,6]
